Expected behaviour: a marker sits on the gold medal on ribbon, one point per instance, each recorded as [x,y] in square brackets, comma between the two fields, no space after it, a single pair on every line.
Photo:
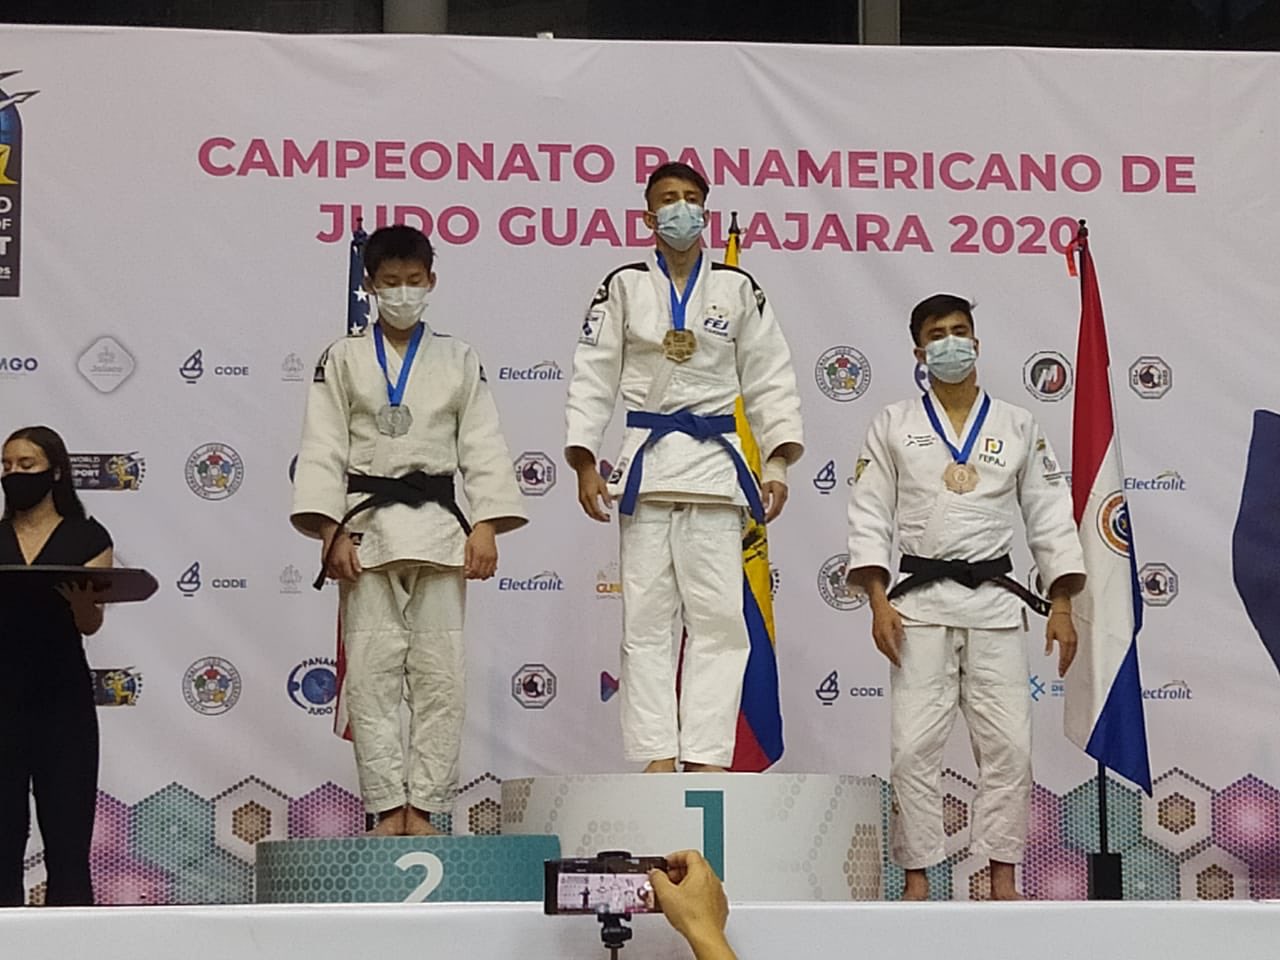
[679,345]
[960,477]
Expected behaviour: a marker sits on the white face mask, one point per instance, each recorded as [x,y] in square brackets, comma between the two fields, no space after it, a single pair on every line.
[401,307]
[680,223]
[950,359]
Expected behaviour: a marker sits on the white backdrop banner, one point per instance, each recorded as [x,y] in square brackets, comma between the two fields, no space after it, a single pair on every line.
[174,215]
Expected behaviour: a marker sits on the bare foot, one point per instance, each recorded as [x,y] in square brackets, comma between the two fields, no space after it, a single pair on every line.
[661,766]
[1002,882]
[390,824]
[917,887]
[417,824]
[703,768]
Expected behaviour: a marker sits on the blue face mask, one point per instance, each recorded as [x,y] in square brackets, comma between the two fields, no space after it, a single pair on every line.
[680,224]
[950,359]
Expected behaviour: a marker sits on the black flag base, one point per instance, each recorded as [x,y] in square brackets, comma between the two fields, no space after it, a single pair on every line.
[1105,881]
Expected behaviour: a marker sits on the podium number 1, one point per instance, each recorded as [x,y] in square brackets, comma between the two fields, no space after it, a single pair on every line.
[712,804]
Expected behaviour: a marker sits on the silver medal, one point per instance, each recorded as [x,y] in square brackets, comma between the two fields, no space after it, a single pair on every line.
[394,421]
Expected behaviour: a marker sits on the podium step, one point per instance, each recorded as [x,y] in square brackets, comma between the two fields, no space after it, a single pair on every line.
[770,836]
[402,869]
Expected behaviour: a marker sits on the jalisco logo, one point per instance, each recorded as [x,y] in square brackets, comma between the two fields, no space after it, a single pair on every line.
[214,471]
[1113,523]
[1047,375]
[835,589]
[291,579]
[1150,377]
[107,471]
[1158,583]
[1168,481]
[1173,690]
[11,185]
[548,581]
[533,686]
[546,370]
[211,686]
[106,364]
[292,369]
[535,473]
[192,368]
[313,686]
[116,686]
[843,373]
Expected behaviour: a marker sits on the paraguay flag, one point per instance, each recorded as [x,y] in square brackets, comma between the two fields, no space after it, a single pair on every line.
[759,738]
[1103,713]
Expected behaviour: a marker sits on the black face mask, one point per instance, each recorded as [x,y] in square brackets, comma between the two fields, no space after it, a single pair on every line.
[22,491]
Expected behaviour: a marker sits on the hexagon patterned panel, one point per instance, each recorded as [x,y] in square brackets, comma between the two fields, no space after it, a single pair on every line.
[1188,841]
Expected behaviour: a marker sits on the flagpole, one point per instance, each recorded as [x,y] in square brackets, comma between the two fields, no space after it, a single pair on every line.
[1105,868]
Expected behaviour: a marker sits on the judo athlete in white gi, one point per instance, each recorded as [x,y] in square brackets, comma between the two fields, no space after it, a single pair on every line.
[948,472]
[681,337]
[392,416]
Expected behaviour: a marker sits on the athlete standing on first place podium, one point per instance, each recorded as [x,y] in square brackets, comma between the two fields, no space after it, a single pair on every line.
[682,338]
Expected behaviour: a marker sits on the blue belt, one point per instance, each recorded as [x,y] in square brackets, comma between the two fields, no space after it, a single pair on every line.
[700,428]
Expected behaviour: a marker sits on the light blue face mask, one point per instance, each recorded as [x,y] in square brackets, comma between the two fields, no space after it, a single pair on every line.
[681,223]
[950,359]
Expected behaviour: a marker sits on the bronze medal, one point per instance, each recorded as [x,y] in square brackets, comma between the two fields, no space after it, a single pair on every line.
[960,477]
[679,345]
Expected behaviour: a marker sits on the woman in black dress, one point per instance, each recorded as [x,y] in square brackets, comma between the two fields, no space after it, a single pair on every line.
[48,721]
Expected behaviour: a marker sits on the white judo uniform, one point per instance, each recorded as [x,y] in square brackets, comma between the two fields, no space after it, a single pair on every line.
[962,646]
[402,620]
[681,549]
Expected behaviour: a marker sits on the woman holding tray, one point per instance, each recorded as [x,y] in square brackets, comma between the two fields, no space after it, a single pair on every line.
[48,720]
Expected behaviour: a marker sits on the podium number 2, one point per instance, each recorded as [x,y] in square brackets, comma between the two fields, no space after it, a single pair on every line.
[712,804]
[433,873]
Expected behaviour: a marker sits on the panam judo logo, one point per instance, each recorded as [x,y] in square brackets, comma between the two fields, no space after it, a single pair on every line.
[313,686]
[11,184]
[835,589]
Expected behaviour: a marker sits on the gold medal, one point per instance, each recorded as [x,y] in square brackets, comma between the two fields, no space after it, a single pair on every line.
[960,477]
[679,345]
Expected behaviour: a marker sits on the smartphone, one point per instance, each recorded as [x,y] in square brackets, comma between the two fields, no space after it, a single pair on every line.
[611,882]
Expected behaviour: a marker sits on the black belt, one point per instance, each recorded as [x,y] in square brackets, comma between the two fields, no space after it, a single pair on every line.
[413,489]
[922,571]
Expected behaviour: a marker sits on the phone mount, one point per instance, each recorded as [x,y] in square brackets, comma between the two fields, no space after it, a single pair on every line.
[614,933]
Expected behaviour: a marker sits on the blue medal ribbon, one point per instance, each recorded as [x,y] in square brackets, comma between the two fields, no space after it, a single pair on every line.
[681,303]
[396,394]
[961,455]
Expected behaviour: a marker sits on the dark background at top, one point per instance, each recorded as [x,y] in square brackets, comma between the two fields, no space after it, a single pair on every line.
[1173,24]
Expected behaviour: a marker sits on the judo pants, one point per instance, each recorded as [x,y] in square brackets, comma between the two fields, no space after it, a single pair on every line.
[682,557]
[402,637]
[984,674]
